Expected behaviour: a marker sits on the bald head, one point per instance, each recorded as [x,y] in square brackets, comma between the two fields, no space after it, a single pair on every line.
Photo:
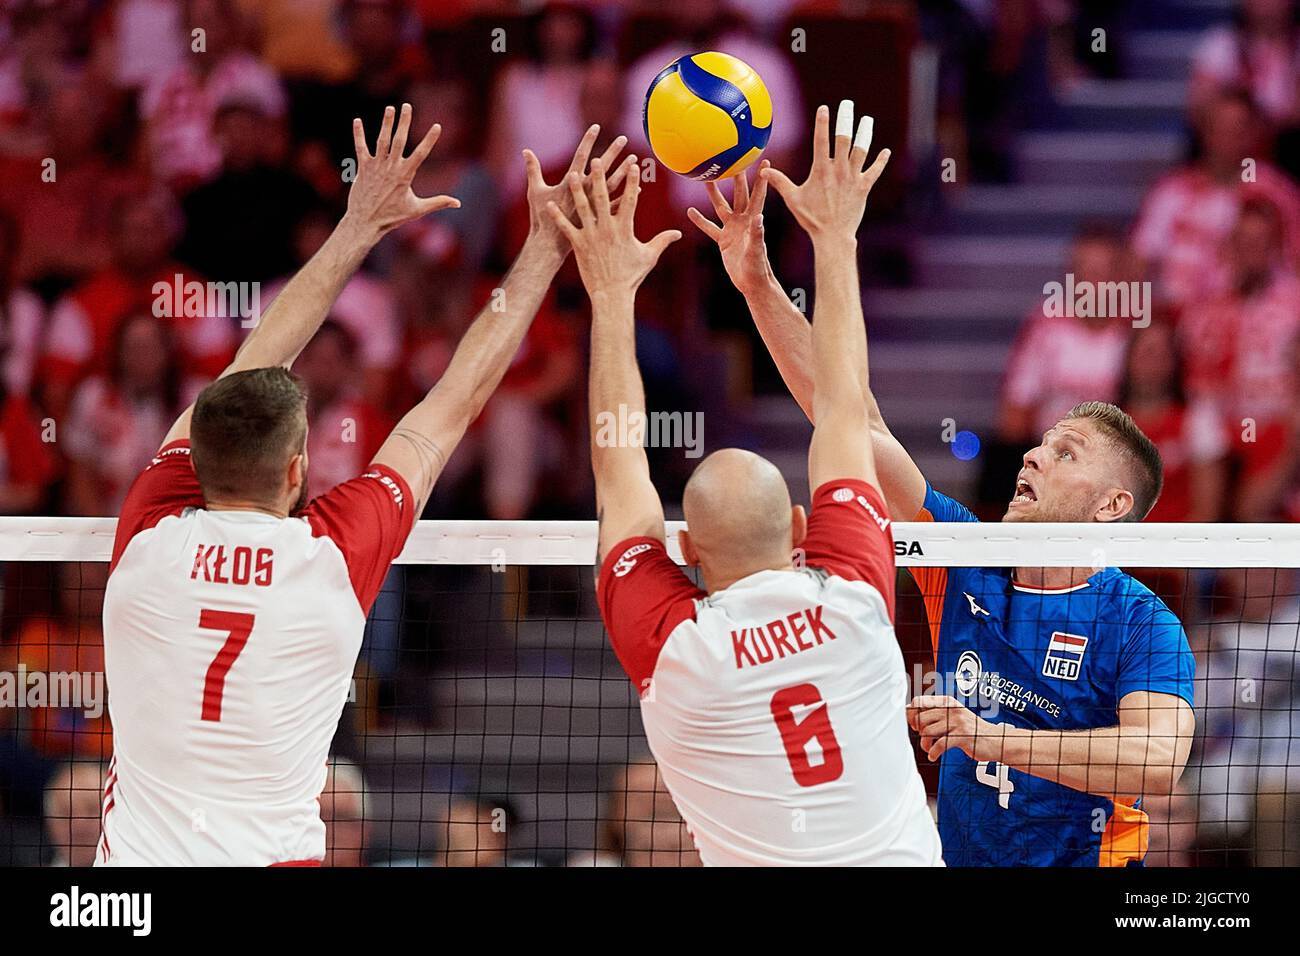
[738,515]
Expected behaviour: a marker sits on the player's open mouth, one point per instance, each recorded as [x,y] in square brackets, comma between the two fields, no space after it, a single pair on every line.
[1024,493]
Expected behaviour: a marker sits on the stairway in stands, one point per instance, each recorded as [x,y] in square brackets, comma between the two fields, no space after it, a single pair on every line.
[938,348]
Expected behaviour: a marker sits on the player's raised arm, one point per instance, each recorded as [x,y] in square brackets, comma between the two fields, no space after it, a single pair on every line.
[613,263]
[786,332]
[419,446]
[380,200]
[829,207]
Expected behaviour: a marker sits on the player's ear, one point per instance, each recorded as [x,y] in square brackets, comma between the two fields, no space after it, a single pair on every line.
[798,526]
[688,549]
[1116,507]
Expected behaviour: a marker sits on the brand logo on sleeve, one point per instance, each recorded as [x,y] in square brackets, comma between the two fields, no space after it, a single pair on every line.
[1064,655]
[627,560]
[388,483]
[845,495]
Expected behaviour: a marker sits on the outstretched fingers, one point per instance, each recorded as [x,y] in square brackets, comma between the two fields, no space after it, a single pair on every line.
[620,174]
[759,196]
[425,145]
[610,156]
[359,141]
[720,205]
[580,202]
[403,129]
[583,152]
[843,130]
[662,241]
[385,139]
[533,170]
[627,205]
[780,182]
[599,189]
[875,170]
[862,142]
[705,225]
[822,135]
[562,222]
[434,203]
[740,191]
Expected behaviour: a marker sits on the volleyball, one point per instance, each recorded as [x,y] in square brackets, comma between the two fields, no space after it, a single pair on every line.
[707,116]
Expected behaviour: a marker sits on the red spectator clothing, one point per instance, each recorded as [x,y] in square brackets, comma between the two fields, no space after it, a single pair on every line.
[1269,68]
[83,325]
[429,350]
[1186,435]
[341,440]
[21,331]
[76,204]
[366,308]
[1186,217]
[115,436]
[548,334]
[1058,362]
[180,106]
[1240,350]
[24,458]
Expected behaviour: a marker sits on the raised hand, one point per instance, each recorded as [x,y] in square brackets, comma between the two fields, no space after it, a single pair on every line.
[831,200]
[541,194]
[740,238]
[381,197]
[610,257]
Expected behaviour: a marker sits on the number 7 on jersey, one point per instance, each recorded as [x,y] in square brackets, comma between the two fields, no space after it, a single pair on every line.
[238,627]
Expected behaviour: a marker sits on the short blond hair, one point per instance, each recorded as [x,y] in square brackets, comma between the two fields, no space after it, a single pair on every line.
[1146,470]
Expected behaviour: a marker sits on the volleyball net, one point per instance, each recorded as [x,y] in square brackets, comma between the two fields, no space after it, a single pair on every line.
[490,723]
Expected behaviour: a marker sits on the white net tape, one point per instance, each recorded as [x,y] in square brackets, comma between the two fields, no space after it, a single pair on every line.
[573,543]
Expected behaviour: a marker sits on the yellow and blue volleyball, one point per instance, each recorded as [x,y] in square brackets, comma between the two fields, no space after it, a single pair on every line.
[707,116]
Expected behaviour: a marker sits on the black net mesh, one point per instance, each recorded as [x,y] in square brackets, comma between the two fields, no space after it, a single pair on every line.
[492,725]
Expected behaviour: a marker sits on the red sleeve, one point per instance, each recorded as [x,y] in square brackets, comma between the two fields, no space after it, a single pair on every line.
[369,518]
[166,487]
[643,596]
[849,536]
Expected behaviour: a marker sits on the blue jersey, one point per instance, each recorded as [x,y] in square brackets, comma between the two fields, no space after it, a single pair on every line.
[1042,660]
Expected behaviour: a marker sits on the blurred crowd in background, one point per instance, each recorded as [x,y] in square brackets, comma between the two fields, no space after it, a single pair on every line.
[148,141]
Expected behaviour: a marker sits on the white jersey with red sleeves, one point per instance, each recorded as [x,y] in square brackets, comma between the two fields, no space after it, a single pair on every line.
[229,644]
[775,707]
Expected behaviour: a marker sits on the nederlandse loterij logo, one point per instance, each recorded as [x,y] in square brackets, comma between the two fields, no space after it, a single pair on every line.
[74,909]
[967,675]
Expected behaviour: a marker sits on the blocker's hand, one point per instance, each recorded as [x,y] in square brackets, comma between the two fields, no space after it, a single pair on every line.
[944,723]
[381,198]
[740,238]
[541,194]
[831,200]
[610,257]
